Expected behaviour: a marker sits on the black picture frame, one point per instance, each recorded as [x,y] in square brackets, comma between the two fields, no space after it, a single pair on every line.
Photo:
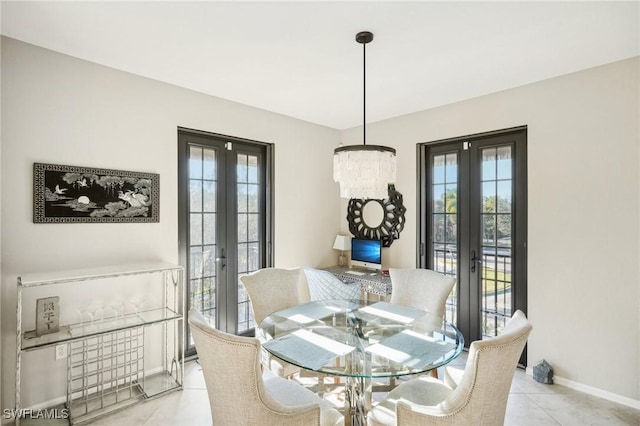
[72,194]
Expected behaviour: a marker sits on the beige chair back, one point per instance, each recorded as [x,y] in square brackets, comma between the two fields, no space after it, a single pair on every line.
[232,374]
[273,289]
[481,396]
[421,288]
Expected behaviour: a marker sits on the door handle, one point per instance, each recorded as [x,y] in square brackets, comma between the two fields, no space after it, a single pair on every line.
[473,260]
[222,259]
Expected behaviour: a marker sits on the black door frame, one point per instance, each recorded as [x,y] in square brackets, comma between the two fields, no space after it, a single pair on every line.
[468,325]
[185,136]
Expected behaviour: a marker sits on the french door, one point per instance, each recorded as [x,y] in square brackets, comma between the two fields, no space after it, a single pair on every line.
[473,215]
[224,224]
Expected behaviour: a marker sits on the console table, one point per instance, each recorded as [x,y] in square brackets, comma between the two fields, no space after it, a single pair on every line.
[117,359]
[370,282]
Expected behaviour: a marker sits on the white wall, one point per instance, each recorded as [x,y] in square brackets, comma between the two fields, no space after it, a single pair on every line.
[584,238]
[61,110]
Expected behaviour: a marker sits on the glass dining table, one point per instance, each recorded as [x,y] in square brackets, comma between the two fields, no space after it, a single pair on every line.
[361,341]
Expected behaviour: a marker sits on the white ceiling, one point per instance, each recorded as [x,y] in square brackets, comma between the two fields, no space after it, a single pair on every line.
[300,58]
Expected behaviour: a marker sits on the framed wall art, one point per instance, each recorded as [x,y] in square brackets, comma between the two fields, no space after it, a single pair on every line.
[70,194]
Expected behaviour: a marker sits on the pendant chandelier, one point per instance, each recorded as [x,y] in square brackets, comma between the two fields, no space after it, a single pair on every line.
[364,171]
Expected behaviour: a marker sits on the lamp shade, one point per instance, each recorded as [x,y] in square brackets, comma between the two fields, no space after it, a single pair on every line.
[342,242]
[364,171]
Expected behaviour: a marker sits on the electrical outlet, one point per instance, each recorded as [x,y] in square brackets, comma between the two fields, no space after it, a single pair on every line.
[61,351]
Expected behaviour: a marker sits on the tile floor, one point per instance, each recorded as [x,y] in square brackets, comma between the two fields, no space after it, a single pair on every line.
[530,403]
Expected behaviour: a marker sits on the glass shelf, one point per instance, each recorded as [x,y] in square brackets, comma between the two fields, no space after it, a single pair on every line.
[46,278]
[159,383]
[88,329]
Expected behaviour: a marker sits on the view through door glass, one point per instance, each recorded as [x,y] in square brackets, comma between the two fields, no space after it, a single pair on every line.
[473,226]
[495,243]
[224,226]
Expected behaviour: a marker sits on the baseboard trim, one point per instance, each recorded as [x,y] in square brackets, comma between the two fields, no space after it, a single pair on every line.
[600,393]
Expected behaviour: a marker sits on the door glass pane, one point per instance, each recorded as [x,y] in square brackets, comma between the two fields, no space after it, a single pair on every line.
[504,196]
[438,169]
[195,195]
[497,229]
[489,164]
[209,165]
[242,259]
[439,200]
[195,162]
[252,169]
[242,227]
[209,228]
[209,196]
[451,198]
[444,219]
[195,231]
[488,230]
[252,227]
[450,229]
[254,256]
[248,219]
[503,155]
[451,168]
[243,197]
[253,204]
[241,168]
[209,261]
[202,231]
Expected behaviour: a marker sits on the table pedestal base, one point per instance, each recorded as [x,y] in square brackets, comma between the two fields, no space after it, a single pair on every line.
[358,400]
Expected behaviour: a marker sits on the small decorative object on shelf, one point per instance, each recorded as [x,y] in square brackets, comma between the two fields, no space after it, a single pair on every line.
[47,315]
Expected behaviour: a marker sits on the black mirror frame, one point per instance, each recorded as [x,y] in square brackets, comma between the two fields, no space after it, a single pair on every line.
[392,223]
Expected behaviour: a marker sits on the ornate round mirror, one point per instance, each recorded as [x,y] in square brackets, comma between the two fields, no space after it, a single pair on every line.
[377,219]
[373,213]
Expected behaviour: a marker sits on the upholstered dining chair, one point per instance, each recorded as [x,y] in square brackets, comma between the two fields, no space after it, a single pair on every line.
[323,285]
[273,289]
[480,398]
[421,288]
[239,393]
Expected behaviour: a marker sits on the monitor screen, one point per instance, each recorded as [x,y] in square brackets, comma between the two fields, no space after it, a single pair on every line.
[366,253]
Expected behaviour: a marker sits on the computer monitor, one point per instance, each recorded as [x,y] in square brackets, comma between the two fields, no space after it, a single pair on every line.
[366,253]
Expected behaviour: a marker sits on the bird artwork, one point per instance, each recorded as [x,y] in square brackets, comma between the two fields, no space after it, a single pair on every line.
[72,194]
[134,200]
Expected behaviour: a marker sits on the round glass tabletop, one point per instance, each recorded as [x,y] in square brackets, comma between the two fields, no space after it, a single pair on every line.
[358,338]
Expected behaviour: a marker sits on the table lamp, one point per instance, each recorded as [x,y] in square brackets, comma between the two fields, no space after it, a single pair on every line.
[342,243]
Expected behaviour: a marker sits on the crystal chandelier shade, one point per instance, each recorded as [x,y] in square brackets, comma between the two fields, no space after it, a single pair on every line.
[364,171]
